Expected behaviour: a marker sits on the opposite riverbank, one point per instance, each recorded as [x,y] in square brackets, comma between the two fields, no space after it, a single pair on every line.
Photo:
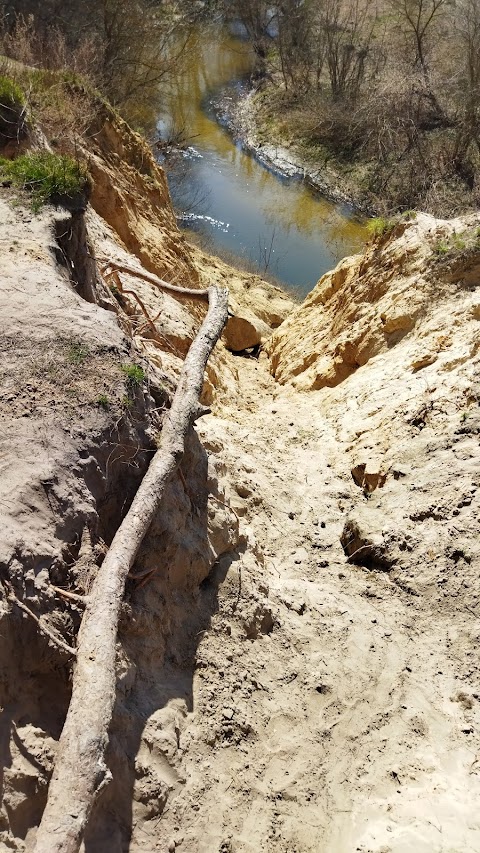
[246,114]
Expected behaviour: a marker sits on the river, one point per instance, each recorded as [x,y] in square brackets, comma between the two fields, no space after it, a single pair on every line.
[239,207]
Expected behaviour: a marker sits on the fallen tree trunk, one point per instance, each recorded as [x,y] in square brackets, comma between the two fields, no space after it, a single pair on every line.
[80,771]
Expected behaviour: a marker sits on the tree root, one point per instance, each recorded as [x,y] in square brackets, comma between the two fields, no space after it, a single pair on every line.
[72,596]
[182,292]
[150,322]
[80,771]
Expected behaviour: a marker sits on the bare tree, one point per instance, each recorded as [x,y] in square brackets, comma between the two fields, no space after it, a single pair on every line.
[258,17]
[468,30]
[133,44]
[419,18]
[296,44]
[348,28]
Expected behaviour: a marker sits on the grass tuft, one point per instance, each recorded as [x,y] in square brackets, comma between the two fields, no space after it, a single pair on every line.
[103,401]
[12,111]
[11,94]
[134,373]
[380,227]
[78,353]
[441,248]
[49,177]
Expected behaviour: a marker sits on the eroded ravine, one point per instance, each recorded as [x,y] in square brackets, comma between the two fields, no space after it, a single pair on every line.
[324,698]
[273,693]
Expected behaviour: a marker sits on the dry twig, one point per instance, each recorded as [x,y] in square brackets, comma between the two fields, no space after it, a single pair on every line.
[57,641]
[185,292]
[73,596]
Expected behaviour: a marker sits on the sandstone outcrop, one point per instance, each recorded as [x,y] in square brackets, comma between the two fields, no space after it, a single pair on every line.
[130,193]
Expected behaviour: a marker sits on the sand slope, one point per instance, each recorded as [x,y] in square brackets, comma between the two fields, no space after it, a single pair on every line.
[300,672]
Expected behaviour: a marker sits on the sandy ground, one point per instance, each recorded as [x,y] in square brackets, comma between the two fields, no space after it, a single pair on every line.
[333,711]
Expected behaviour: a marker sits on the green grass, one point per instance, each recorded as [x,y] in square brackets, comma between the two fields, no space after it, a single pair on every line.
[441,248]
[380,227]
[459,242]
[78,353]
[11,94]
[134,373]
[49,177]
[103,401]
[456,244]
[13,126]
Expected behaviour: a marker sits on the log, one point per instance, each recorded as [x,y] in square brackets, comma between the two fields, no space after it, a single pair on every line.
[80,771]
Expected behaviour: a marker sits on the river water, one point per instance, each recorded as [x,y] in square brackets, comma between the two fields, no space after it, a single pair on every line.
[240,208]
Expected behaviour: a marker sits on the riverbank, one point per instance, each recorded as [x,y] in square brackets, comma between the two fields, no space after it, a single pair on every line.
[245,114]
[297,652]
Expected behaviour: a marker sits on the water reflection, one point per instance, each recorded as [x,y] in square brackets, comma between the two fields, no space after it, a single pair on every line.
[218,182]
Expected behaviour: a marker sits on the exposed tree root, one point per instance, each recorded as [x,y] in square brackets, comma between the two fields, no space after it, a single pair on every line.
[181,292]
[113,271]
[80,770]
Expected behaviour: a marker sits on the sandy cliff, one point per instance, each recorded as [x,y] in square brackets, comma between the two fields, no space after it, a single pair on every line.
[298,665]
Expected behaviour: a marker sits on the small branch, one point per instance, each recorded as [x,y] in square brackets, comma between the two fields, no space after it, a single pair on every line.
[142,307]
[158,337]
[43,629]
[80,599]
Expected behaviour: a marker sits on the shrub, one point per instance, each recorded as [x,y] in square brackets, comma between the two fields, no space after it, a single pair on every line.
[49,177]
[440,248]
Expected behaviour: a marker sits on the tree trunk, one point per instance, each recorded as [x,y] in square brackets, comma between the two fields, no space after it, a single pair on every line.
[80,770]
